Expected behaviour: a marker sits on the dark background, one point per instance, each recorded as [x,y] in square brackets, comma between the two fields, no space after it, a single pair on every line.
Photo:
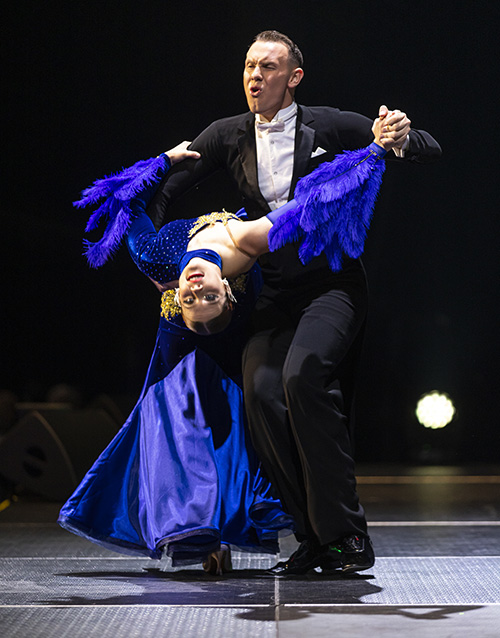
[90,87]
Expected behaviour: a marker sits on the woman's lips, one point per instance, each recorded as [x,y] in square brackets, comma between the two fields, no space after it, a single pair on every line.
[196,276]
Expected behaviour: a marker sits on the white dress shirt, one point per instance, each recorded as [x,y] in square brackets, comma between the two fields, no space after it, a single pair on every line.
[275,142]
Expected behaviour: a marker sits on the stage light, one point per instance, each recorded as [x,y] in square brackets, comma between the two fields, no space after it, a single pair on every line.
[435,410]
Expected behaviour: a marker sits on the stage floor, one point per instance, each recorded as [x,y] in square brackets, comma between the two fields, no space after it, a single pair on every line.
[436,533]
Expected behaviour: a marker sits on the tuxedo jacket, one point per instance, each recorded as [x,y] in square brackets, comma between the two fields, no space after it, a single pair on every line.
[229,145]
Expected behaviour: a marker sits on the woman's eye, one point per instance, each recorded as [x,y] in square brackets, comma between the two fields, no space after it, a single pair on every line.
[211,297]
[187,301]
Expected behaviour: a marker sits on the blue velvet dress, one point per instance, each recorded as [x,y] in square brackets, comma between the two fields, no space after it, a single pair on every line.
[181,475]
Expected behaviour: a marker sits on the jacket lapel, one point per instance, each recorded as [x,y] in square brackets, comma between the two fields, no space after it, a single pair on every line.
[304,145]
[248,159]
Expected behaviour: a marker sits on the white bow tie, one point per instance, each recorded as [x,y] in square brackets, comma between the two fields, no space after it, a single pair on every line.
[276,125]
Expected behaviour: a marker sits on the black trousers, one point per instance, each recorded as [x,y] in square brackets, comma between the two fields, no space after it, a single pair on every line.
[299,371]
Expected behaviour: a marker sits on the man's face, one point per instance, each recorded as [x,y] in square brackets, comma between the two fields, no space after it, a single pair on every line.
[266,78]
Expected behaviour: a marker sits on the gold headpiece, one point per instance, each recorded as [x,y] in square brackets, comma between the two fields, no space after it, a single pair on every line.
[169,307]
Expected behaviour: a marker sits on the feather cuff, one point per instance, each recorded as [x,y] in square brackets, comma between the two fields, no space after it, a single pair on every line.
[118,191]
[334,208]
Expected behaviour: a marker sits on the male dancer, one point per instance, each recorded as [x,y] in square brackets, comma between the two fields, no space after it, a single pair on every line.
[300,364]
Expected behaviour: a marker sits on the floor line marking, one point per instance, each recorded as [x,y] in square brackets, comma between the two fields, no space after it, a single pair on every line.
[255,606]
[429,605]
[433,523]
[107,606]
[277,605]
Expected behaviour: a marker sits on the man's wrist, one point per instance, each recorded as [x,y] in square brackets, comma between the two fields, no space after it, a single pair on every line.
[399,151]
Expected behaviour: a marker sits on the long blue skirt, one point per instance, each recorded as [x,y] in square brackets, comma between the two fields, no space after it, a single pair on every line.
[181,475]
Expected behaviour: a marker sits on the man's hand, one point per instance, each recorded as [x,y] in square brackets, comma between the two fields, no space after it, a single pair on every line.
[391,128]
[180,152]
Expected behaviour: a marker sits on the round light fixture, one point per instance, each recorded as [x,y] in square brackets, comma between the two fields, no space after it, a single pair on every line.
[435,410]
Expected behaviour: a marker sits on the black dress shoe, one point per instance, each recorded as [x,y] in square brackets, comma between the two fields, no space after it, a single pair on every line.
[356,553]
[308,556]
[331,558]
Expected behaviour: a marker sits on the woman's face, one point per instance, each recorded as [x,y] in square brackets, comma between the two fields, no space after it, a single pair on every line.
[202,294]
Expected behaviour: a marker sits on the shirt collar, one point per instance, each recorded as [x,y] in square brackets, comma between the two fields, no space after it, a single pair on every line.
[284,115]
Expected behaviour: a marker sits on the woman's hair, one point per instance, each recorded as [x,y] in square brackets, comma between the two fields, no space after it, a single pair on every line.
[294,53]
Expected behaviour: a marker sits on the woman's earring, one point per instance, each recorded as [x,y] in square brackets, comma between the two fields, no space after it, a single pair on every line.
[229,292]
[177,300]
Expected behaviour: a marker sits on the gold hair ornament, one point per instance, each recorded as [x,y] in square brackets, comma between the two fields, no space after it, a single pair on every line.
[170,307]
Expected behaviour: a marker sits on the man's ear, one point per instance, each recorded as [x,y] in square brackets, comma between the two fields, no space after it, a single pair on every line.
[295,78]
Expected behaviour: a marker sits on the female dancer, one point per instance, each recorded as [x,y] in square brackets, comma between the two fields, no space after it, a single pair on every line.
[181,476]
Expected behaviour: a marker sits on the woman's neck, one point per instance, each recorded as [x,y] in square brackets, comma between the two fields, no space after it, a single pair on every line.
[215,237]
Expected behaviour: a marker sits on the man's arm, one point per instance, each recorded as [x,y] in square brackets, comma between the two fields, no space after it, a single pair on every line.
[396,134]
[187,174]
[355,131]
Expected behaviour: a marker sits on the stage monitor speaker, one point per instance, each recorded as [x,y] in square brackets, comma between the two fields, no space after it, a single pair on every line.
[48,452]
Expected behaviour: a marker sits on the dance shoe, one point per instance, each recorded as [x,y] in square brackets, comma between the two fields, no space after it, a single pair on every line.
[350,554]
[355,552]
[219,562]
[308,556]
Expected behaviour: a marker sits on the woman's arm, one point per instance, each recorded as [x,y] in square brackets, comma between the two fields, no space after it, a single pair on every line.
[250,237]
[331,209]
[122,196]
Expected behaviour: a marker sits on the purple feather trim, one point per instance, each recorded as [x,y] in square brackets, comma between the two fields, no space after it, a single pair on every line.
[118,190]
[286,229]
[99,252]
[137,176]
[336,204]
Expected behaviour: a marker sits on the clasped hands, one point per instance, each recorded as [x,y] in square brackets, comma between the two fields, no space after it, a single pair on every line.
[391,128]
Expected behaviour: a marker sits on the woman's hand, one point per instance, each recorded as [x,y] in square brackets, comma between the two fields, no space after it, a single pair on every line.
[180,152]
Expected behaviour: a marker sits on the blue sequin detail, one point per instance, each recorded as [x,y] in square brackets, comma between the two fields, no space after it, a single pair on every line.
[157,254]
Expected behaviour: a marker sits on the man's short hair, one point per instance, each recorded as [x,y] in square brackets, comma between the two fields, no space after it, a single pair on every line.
[294,52]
